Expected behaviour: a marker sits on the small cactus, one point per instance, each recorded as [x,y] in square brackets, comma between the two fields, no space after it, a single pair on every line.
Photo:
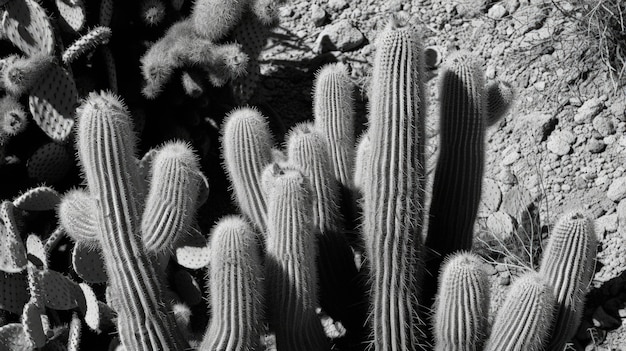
[523,322]
[236,288]
[22,74]
[567,264]
[462,304]
[247,149]
[13,118]
[87,43]
[213,19]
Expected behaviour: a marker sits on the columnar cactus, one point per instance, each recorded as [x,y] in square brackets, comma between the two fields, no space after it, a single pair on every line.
[170,203]
[340,289]
[393,189]
[462,304]
[523,322]
[567,264]
[459,174]
[236,288]
[290,263]
[333,109]
[247,149]
[106,150]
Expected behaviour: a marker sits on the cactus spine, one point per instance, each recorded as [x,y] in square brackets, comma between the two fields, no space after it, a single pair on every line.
[334,117]
[236,287]
[462,304]
[106,149]
[171,200]
[568,264]
[247,148]
[290,263]
[393,189]
[458,177]
[523,322]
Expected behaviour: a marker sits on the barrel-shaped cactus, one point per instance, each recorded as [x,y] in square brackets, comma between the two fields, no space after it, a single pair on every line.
[567,264]
[333,109]
[459,174]
[171,204]
[247,149]
[106,150]
[236,287]
[523,322]
[462,305]
[291,270]
[393,189]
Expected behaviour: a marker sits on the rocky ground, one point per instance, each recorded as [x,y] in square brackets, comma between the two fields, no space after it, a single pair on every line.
[561,145]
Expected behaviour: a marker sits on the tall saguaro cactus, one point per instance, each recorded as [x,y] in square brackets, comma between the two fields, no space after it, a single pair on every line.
[106,150]
[458,179]
[393,189]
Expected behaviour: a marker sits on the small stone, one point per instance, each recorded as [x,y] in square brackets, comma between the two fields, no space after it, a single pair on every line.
[589,110]
[337,4]
[558,144]
[507,177]
[601,319]
[603,125]
[342,36]
[618,109]
[595,146]
[617,189]
[540,86]
[608,223]
[621,213]
[318,15]
[497,11]
[539,124]
[490,72]
[511,158]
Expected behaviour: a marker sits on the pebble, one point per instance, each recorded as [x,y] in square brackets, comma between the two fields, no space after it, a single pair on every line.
[560,142]
[603,125]
[337,4]
[617,189]
[497,11]
[589,110]
[318,15]
[341,35]
[595,146]
[608,223]
[618,109]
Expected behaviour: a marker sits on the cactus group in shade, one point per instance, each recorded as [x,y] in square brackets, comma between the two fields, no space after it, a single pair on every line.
[236,288]
[393,189]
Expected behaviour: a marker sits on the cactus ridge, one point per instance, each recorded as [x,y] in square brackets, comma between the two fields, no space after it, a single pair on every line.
[236,287]
[462,304]
[247,149]
[290,263]
[567,264]
[333,108]
[107,148]
[523,322]
[392,210]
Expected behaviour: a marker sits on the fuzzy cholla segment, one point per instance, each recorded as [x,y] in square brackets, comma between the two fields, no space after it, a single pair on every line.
[393,189]
[567,265]
[462,304]
[106,149]
[236,288]
[290,263]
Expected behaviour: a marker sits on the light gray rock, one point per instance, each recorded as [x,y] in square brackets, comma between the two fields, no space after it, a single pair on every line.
[603,125]
[337,4]
[560,142]
[318,15]
[341,35]
[497,11]
[589,110]
[617,189]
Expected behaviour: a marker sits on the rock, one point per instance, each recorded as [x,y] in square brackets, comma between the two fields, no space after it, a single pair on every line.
[318,15]
[601,319]
[507,177]
[497,11]
[560,142]
[589,110]
[342,36]
[595,146]
[617,189]
[608,223]
[618,109]
[510,158]
[603,125]
[337,4]
[539,124]
[621,213]
[471,8]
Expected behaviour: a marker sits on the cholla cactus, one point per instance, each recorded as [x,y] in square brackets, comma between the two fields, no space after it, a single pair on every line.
[19,75]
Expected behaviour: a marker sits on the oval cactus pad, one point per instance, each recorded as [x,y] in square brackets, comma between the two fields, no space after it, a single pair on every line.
[41,198]
[28,27]
[52,103]
[88,263]
[72,13]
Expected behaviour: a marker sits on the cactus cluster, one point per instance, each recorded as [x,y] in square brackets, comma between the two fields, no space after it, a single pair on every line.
[333,233]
